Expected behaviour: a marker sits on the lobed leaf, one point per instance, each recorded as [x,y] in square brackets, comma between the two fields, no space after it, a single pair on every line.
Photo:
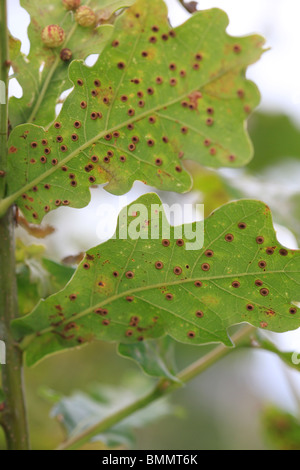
[129,290]
[43,75]
[156,97]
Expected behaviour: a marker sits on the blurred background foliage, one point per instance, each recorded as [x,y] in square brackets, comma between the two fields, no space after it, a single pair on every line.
[249,400]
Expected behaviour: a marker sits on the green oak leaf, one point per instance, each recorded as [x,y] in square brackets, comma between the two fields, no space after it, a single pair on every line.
[133,289]
[43,75]
[281,429]
[156,97]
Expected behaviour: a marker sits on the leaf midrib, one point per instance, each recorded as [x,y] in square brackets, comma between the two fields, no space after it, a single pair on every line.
[158,286]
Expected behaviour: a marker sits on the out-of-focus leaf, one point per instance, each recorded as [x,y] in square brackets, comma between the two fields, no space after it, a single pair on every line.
[81,411]
[156,358]
[155,97]
[137,288]
[275,137]
[213,189]
[282,429]
[291,358]
[37,277]
[43,75]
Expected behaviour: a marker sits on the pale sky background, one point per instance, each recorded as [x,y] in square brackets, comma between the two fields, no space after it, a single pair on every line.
[277,75]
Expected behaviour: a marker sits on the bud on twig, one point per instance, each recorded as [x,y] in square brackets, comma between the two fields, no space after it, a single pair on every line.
[71,4]
[85,16]
[53,36]
[66,55]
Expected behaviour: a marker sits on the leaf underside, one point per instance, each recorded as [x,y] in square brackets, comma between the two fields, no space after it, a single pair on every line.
[156,97]
[33,71]
[131,290]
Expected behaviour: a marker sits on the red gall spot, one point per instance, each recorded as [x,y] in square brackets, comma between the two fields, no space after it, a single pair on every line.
[105,322]
[130,127]
[108,137]
[43,159]
[131,147]
[141,103]
[83,104]
[150,143]
[205,267]
[172,66]
[47,186]
[135,139]
[236,284]
[209,253]
[260,240]
[198,284]
[180,242]
[182,73]
[173,82]
[210,111]
[241,93]
[231,158]
[199,57]
[237,48]
[66,202]
[213,151]
[129,275]
[80,82]
[54,161]
[184,130]
[181,155]
[152,119]
[263,324]
[262,264]
[94,93]
[97,83]
[12,149]
[165,37]
[191,334]
[95,159]
[35,215]
[130,298]
[124,98]
[199,314]
[207,142]
[47,151]
[73,297]
[57,125]
[247,109]
[33,145]
[209,122]
[121,65]
[250,307]
[129,333]
[196,66]
[110,154]
[153,39]
[177,270]
[155,29]
[32,161]
[94,116]
[63,148]
[229,237]
[150,91]
[77,124]
[116,134]
[293,311]
[115,43]
[258,283]
[159,265]
[2,174]
[283,252]
[57,202]
[44,142]
[169,297]
[264,292]
[158,162]
[122,158]
[165,242]
[81,340]
[144,54]
[270,251]
[131,112]
[159,80]
[59,138]
[86,266]
[242,225]
[92,179]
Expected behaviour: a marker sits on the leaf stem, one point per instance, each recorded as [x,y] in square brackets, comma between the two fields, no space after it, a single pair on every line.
[13,417]
[164,387]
